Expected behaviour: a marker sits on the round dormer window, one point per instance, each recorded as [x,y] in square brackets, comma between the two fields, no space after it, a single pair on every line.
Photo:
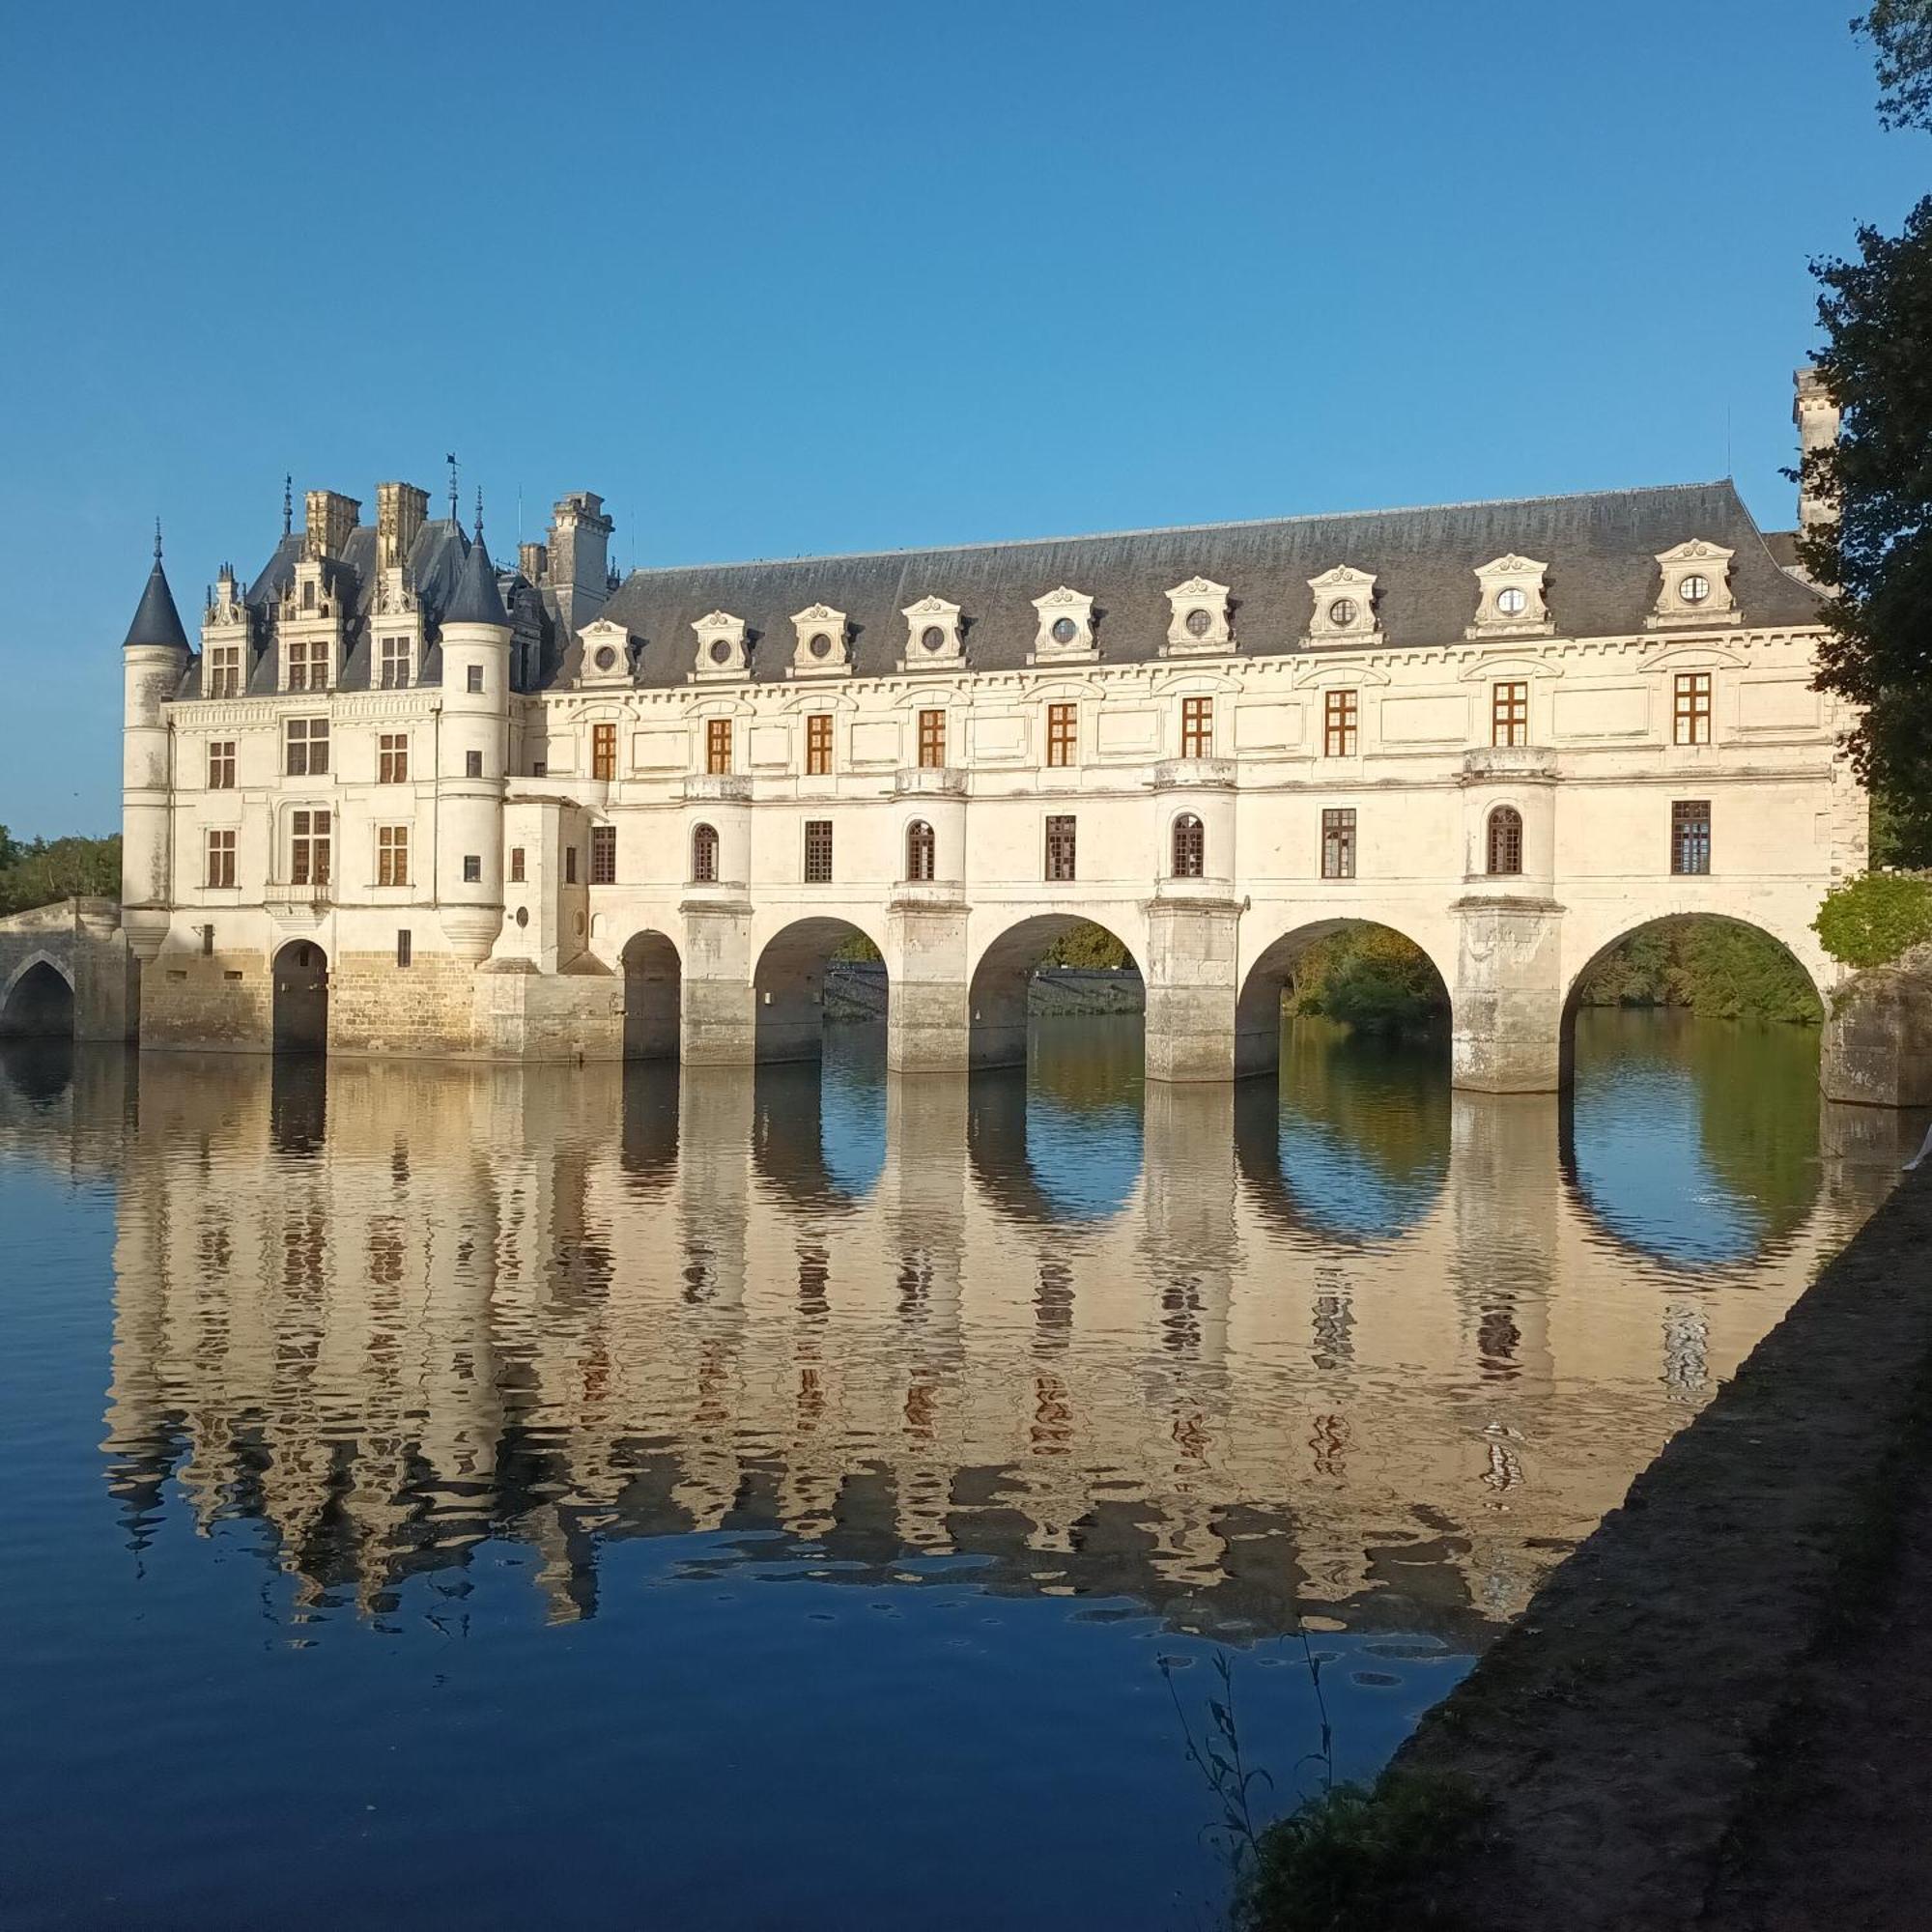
[820,645]
[721,650]
[1513,602]
[1694,590]
[1341,612]
[933,637]
[1200,623]
[605,657]
[1065,630]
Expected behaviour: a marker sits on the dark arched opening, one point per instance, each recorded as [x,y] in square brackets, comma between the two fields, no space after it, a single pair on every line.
[1052,966]
[300,975]
[40,1006]
[652,985]
[815,971]
[1357,974]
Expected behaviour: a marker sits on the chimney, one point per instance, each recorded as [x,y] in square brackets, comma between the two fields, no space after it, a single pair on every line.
[534,560]
[400,510]
[1816,415]
[580,539]
[331,519]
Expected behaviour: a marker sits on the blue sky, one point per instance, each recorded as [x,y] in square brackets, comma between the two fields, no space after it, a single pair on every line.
[779,279]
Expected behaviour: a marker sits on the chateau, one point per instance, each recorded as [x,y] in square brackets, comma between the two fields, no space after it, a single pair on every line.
[399,799]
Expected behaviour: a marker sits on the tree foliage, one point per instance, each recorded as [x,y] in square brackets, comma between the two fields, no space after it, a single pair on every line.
[1090,946]
[1875,310]
[1872,920]
[1369,979]
[38,871]
[1718,969]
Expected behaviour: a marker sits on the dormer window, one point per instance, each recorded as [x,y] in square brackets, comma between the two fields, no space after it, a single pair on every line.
[1510,599]
[308,663]
[1066,633]
[223,679]
[821,647]
[722,650]
[308,594]
[395,673]
[1198,622]
[607,654]
[1344,610]
[1511,602]
[1694,586]
[934,634]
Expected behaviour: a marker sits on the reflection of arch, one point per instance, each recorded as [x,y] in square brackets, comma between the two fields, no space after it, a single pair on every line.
[997,995]
[1046,1159]
[789,985]
[647,1149]
[652,983]
[1504,857]
[704,855]
[38,1002]
[1258,1017]
[920,853]
[1668,922]
[40,1070]
[791,1109]
[300,972]
[1189,848]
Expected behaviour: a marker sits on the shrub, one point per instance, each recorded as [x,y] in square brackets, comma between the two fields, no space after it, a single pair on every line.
[1870,920]
[1369,979]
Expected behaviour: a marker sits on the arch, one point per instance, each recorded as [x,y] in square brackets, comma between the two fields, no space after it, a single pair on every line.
[704,855]
[1503,843]
[920,853]
[300,975]
[38,1003]
[1187,848]
[1258,1014]
[999,995]
[788,986]
[653,985]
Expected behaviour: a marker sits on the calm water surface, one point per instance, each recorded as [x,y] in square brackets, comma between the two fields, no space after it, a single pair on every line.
[459,1496]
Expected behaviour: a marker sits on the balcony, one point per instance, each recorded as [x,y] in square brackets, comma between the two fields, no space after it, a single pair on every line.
[929,781]
[702,896]
[1194,775]
[1205,892]
[718,789]
[1489,762]
[927,895]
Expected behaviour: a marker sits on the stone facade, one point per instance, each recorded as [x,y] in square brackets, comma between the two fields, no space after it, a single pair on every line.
[1514,732]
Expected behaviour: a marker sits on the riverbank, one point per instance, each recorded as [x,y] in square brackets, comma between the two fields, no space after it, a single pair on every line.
[1642,1738]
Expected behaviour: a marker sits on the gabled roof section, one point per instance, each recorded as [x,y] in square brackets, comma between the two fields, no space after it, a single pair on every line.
[157,621]
[1601,549]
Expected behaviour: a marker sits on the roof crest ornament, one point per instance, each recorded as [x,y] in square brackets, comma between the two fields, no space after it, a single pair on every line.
[288,503]
[157,540]
[454,520]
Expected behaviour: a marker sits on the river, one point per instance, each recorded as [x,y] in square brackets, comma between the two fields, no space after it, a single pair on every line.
[480,1496]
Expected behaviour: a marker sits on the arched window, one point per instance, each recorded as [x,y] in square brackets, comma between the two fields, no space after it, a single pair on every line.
[919,852]
[1505,840]
[1190,847]
[704,855]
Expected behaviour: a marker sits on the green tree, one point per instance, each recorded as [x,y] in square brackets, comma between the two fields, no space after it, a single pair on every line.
[42,870]
[1369,979]
[1875,309]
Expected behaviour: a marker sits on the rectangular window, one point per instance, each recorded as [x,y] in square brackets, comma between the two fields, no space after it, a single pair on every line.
[1691,836]
[308,665]
[392,855]
[395,671]
[472,869]
[602,855]
[405,948]
[224,672]
[1339,713]
[602,751]
[1062,733]
[818,745]
[221,858]
[1691,712]
[516,864]
[306,743]
[221,765]
[472,678]
[1197,727]
[818,851]
[1338,843]
[539,769]
[570,864]
[308,848]
[717,745]
[932,739]
[473,764]
[1508,714]
[392,757]
[1060,857]
[207,942]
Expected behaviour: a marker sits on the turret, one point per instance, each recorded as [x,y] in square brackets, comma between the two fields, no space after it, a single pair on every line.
[153,657]
[473,744]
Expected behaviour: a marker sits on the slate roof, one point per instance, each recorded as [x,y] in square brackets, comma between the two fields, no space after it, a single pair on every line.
[476,599]
[1601,549]
[157,621]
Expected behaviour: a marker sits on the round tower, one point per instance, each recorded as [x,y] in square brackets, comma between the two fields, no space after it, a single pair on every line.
[469,768]
[154,658]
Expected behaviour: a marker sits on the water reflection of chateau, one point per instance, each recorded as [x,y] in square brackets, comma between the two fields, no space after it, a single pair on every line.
[565,1307]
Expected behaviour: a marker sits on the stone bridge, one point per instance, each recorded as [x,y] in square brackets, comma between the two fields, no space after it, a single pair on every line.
[66,973]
